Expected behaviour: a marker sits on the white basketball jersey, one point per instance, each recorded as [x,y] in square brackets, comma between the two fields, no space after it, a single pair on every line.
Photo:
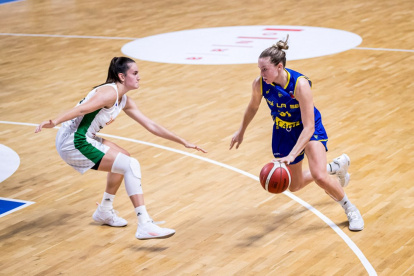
[90,124]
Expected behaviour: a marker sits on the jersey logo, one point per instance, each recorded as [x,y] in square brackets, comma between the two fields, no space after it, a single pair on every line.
[291,94]
[267,92]
[316,136]
[271,103]
[110,121]
[283,114]
[280,95]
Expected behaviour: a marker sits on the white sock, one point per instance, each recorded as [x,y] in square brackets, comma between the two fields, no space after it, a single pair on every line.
[106,204]
[332,167]
[142,214]
[345,203]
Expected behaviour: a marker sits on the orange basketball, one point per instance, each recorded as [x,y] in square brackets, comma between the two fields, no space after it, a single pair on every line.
[275,177]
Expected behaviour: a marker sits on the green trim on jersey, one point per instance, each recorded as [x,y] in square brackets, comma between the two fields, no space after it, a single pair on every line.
[80,142]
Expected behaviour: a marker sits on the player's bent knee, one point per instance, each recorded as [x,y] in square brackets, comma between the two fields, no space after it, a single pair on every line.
[321,179]
[124,164]
[135,167]
[131,170]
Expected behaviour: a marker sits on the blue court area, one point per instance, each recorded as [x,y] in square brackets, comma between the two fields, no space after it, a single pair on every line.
[8,1]
[10,205]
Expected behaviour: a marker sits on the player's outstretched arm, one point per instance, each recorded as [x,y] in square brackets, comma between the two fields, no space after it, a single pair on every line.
[249,114]
[132,111]
[105,97]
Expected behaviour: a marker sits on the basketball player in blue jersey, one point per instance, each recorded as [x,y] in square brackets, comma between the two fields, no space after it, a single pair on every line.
[297,129]
[79,146]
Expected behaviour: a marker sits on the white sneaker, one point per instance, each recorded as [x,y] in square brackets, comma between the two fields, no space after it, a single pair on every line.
[343,162]
[150,230]
[344,181]
[108,217]
[356,222]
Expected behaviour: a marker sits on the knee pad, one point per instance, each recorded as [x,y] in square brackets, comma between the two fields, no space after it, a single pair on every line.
[131,170]
[135,167]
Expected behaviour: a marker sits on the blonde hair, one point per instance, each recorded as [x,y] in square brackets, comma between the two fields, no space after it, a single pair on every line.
[276,53]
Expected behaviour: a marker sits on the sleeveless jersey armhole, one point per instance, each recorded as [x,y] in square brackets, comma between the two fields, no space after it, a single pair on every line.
[117,96]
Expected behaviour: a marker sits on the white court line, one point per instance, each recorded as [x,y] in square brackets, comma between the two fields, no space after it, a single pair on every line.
[134,38]
[345,238]
[27,203]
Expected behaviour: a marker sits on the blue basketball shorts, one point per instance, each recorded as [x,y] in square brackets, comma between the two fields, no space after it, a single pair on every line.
[283,140]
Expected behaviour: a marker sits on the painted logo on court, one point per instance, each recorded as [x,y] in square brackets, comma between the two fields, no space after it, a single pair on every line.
[239,45]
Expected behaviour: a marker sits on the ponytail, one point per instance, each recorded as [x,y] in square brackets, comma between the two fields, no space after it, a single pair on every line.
[117,65]
[276,53]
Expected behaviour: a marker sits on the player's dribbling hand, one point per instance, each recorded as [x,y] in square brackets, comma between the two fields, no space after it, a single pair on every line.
[237,139]
[45,124]
[287,160]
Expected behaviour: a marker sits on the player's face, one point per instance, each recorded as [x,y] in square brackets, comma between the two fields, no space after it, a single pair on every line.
[132,76]
[268,70]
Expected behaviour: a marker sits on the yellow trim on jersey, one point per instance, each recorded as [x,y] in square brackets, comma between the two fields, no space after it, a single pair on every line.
[261,85]
[294,91]
[283,124]
[288,74]
[296,84]
[323,140]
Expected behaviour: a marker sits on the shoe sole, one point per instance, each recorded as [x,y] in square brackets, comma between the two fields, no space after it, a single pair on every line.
[104,223]
[157,237]
[356,230]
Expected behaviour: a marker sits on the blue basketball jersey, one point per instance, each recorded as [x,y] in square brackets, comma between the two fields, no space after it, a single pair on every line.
[286,115]
[284,108]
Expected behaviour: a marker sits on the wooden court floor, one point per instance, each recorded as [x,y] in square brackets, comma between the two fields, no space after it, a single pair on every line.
[226,223]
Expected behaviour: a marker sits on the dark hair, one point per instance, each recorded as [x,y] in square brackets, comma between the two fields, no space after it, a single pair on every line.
[117,65]
[276,53]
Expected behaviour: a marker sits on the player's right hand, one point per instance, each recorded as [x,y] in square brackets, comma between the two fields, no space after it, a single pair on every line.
[45,124]
[237,139]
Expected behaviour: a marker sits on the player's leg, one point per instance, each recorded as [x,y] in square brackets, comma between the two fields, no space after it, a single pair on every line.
[339,167]
[129,167]
[297,182]
[105,212]
[114,180]
[316,153]
[300,178]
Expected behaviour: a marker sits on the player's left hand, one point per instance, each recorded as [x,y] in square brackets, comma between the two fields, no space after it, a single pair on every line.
[287,160]
[192,146]
[45,124]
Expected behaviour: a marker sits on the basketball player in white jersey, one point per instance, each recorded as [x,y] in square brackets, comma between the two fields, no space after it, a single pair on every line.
[79,146]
